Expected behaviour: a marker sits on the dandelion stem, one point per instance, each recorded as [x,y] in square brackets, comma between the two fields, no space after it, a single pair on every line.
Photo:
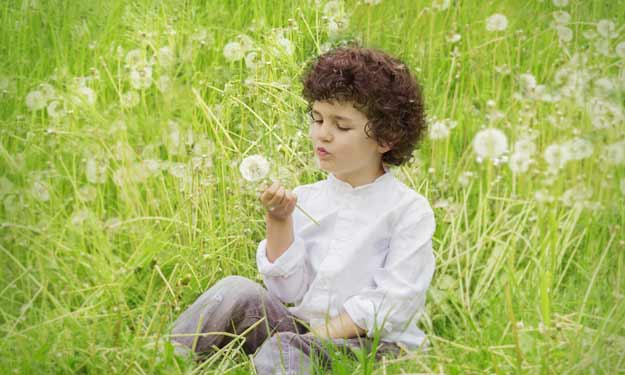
[306,213]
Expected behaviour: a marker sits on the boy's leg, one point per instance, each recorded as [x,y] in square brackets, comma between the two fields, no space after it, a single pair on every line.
[292,353]
[232,305]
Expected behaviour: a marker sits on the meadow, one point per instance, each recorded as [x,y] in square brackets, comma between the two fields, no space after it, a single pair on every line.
[123,125]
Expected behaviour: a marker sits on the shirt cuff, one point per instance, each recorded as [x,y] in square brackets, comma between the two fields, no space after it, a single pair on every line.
[362,313]
[286,264]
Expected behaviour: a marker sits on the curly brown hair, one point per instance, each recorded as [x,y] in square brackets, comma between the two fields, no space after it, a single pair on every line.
[381,87]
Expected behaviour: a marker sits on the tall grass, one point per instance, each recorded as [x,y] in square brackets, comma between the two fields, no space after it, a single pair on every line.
[117,214]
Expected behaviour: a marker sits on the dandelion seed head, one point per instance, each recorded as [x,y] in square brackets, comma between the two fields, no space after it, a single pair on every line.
[129,99]
[607,29]
[614,153]
[254,167]
[438,130]
[565,34]
[87,193]
[141,78]
[496,22]
[556,156]
[561,17]
[440,4]
[490,143]
[252,60]
[620,50]
[246,42]
[166,58]
[40,191]
[164,84]
[35,100]
[233,51]
[519,162]
[578,148]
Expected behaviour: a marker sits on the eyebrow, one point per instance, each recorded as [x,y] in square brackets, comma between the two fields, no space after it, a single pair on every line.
[336,117]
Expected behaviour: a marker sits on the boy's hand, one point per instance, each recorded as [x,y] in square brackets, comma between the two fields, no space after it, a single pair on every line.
[278,201]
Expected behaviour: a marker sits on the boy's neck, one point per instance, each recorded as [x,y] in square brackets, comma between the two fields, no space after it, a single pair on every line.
[360,178]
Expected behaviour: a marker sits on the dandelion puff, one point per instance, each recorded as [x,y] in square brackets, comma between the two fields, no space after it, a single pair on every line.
[121,176]
[525,145]
[603,46]
[164,84]
[177,169]
[80,216]
[233,51]
[87,193]
[620,50]
[166,58]
[519,162]
[84,94]
[578,148]
[438,130]
[246,42]
[543,196]
[607,29]
[561,17]
[254,168]
[490,143]
[286,45]
[565,34]
[496,22]
[576,196]
[95,171]
[129,99]
[56,109]
[173,140]
[453,38]
[35,100]
[40,191]
[153,166]
[138,172]
[604,113]
[440,4]
[141,78]
[560,3]
[614,153]
[48,91]
[465,178]
[556,156]
[251,60]
[123,151]
[135,58]
[332,7]
[604,87]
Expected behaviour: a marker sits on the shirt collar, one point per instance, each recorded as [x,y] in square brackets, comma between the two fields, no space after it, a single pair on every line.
[341,186]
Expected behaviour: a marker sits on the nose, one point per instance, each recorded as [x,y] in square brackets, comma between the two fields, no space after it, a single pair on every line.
[322,132]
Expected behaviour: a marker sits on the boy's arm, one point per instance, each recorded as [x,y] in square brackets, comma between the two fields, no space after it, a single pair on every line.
[341,326]
[279,236]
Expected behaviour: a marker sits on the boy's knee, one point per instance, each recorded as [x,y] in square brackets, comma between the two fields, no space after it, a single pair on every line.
[241,289]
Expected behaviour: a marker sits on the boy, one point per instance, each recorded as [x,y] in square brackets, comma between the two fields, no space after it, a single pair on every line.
[364,270]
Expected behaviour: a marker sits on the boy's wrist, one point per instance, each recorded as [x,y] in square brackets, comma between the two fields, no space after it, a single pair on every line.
[273,219]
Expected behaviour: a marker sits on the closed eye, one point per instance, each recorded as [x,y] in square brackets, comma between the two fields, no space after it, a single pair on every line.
[338,127]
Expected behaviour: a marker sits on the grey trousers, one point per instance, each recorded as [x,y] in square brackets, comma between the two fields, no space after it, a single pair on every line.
[280,344]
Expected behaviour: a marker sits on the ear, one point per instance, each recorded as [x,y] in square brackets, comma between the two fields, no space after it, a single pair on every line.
[384,147]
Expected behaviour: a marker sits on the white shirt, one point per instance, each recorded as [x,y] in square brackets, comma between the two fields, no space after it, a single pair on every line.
[371,256]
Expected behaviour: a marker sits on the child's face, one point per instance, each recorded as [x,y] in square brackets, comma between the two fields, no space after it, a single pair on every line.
[340,129]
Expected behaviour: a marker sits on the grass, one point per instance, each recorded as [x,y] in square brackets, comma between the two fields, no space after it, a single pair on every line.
[97,262]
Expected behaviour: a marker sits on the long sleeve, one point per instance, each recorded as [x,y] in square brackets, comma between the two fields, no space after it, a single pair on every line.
[288,277]
[400,285]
